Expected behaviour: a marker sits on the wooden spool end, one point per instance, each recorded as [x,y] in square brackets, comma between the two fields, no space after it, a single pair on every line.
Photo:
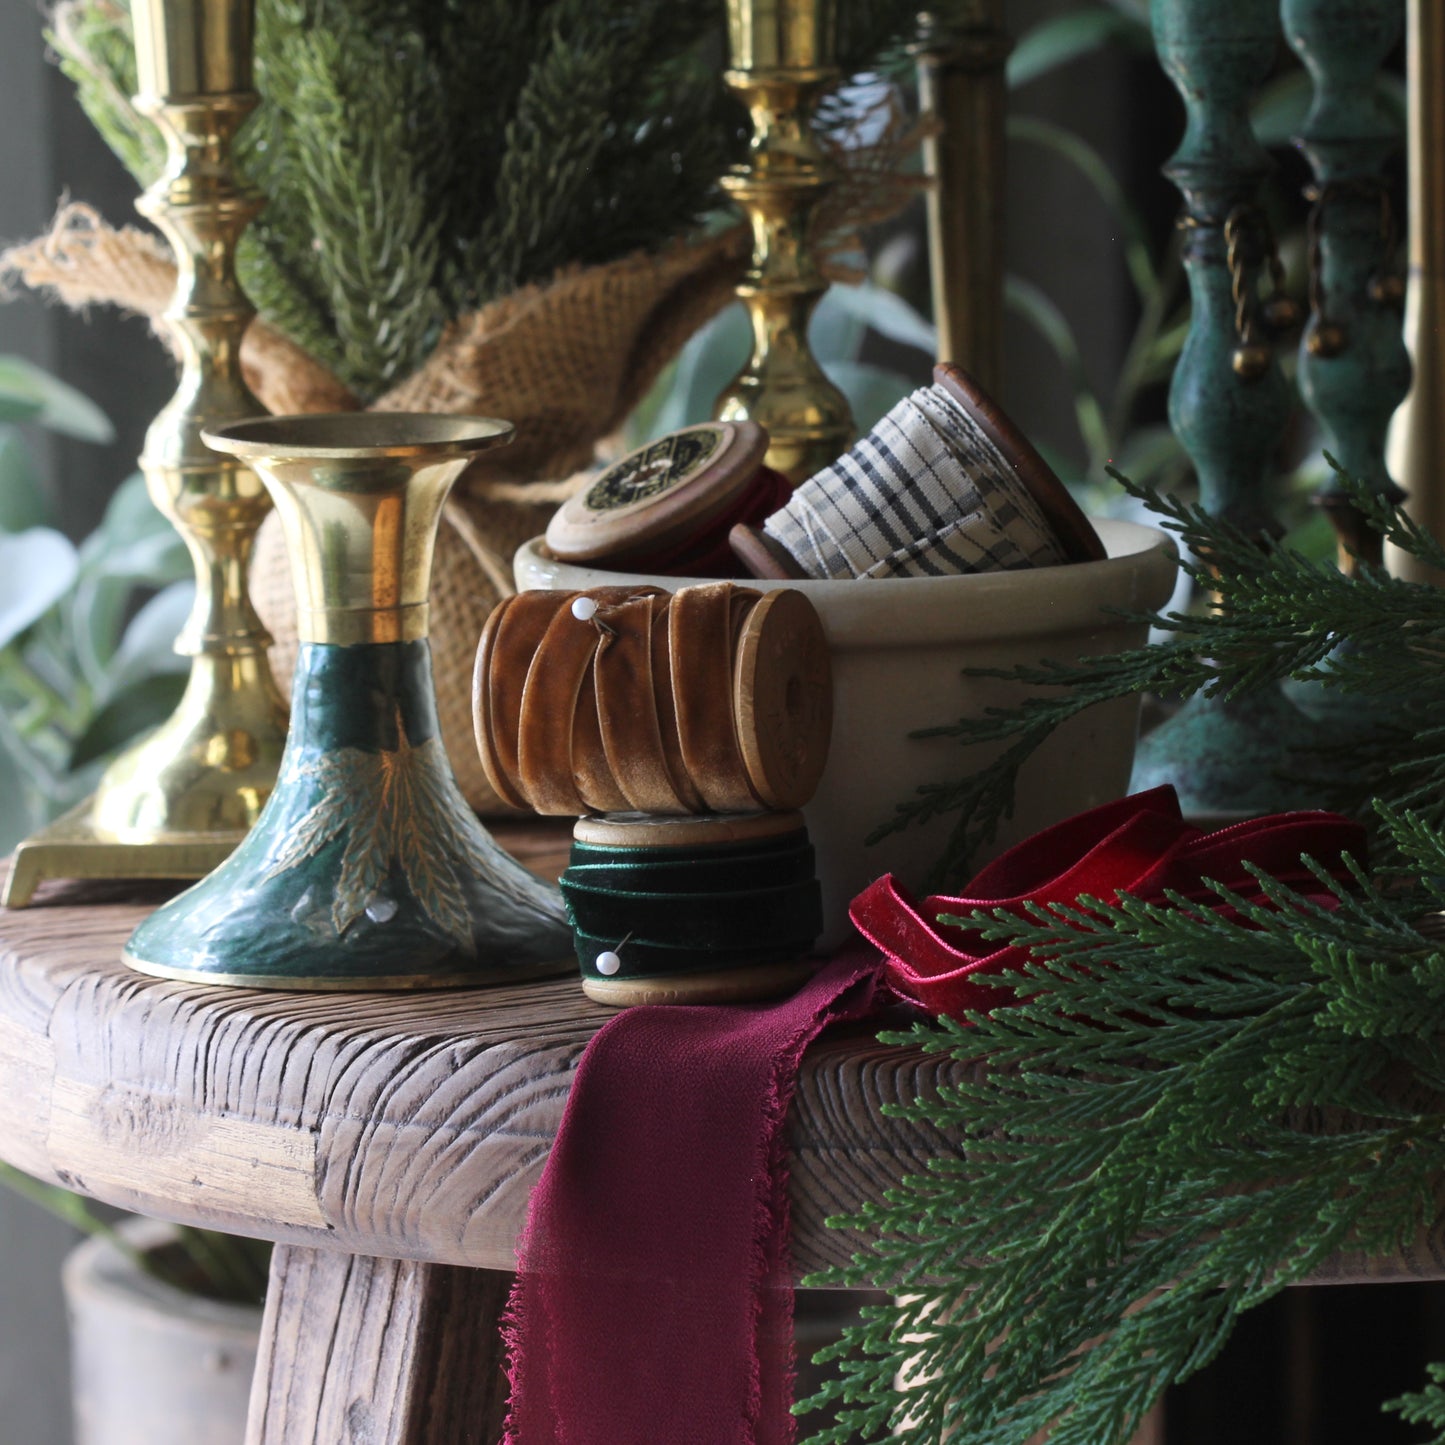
[707,830]
[738,985]
[763,556]
[659,494]
[1073,529]
[783,699]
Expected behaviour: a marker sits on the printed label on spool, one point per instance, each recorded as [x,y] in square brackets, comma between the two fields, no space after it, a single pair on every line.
[666,463]
[660,496]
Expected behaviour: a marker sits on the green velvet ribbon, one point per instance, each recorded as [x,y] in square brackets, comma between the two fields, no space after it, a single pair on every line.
[673,911]
[729,870]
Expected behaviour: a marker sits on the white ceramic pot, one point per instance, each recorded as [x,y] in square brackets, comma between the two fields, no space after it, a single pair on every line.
[151,1364]
[899,646]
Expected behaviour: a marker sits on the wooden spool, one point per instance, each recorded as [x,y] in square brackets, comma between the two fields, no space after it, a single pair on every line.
[666,507]
[715,699]
[637,845]
[987,444]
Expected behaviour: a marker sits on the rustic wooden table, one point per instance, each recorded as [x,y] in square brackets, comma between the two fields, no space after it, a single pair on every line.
[386,1142]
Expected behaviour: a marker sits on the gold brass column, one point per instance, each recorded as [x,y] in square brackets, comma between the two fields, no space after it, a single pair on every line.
[961,87]
[782,54]
[1416,454]
[178,802]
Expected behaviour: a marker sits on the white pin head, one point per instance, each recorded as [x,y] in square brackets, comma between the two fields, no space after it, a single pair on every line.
[608,962]
[584,609]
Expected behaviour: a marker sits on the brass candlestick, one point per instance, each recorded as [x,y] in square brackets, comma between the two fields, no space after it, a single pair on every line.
[782,58]
[178,802]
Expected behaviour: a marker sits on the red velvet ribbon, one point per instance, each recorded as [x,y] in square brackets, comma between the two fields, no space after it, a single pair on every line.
[652,1304]
[1139,845]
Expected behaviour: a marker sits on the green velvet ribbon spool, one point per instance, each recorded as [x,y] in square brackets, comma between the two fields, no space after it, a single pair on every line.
[672,911]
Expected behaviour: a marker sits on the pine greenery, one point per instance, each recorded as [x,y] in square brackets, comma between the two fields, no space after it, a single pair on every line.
[1134,1169]
[422,157]
[1179,1112]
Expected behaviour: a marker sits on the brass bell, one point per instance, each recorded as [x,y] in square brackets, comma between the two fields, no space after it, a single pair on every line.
[1251,360]
[1328,339]
[1388,289]
[1282,313]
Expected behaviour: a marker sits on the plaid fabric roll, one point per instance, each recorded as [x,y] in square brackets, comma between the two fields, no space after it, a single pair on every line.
[924,494]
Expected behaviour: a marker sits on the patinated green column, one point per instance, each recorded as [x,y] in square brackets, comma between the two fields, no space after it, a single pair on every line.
[1353,367]
[1228,403]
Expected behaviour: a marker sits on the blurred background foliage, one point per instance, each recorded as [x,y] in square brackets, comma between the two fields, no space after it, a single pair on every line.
[86,632]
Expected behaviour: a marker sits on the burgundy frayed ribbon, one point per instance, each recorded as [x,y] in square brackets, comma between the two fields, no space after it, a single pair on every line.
[653,1299]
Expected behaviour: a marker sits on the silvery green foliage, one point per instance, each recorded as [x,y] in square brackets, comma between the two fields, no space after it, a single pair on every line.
[82,669]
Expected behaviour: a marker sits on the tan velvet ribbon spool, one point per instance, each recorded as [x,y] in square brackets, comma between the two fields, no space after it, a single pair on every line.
[667,715]
[498,681]
[548,708]
[700,640]
[590,768]
[627,708]
[715,699]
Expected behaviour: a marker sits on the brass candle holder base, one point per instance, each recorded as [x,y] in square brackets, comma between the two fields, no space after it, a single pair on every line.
[174,804]
[70,847]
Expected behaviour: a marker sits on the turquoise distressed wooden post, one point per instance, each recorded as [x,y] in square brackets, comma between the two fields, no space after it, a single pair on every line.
[1354,369]
[1228,403]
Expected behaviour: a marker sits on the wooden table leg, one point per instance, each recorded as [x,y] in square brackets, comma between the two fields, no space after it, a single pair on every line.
[380,1351]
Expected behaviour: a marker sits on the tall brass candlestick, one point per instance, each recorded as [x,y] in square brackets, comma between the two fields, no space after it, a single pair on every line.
[178,802]
[782,57]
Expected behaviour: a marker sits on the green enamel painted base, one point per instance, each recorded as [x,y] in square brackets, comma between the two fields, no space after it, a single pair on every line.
[1232,758]
[366,868]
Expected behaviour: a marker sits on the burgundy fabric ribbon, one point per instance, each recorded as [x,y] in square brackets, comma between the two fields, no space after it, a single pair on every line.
[1139,845]
[653,1302]
[653,1299]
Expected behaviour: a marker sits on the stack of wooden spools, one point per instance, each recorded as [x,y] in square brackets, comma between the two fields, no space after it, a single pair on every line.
[685,730]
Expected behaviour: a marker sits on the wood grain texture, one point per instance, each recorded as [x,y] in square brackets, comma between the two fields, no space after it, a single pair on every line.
[395,1126]
[404,1126]
[358,1351]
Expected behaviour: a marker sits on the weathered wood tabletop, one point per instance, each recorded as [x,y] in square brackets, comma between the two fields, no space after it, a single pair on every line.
[399,1125]
[388,1141]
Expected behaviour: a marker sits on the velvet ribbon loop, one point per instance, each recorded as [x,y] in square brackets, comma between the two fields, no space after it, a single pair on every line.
[1140,845]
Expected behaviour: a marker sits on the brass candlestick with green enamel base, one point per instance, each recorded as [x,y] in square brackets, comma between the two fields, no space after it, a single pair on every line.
[366,870]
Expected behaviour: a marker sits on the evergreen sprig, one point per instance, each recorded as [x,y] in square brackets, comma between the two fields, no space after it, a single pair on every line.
[1280,615]
[420,158]
[1140,1154]
[1176,1111]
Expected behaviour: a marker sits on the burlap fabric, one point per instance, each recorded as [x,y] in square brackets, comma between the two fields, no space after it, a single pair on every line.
[565,363]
